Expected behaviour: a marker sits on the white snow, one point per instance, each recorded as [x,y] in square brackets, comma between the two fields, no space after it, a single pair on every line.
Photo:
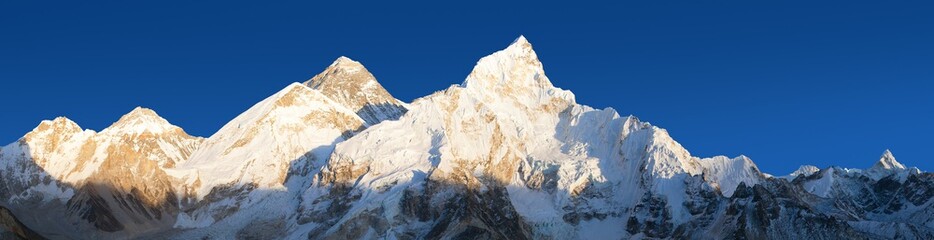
[885,166]
[728,173]
[822,187]
[259,145]
[803,170]
[506,123]
[140,120]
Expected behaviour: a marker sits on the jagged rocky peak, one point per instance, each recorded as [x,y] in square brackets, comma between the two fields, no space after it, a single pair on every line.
[728,173]
[154,141]
[59,123]
[887,165]
[518,60]
[350,84]
[887,161]
[139,121]
[803,170]
[60,126]
[49,136]
[513,74]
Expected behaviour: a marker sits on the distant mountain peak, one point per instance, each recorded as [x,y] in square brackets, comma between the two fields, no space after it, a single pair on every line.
[521,42]
[60,123]
[141,120]
[346,63]
[887,161]
[141,112]
[887,165]
[805,170]
[728,173]
[61,127]
[350,84]
[338,72]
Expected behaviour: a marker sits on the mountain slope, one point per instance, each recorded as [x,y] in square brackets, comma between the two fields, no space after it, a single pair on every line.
[12,228]
[112,183]
[268,154]
[253,156]
[503,155]
[506,133]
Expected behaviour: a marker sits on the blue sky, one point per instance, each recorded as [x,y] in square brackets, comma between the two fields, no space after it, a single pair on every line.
[783,82]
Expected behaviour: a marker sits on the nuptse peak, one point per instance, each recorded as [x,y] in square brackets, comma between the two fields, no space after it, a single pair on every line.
[503,155]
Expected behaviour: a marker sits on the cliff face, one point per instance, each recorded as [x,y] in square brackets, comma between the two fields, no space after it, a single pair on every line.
[12,228]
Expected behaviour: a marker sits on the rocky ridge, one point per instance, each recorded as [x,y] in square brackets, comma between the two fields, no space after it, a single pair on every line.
[503,155]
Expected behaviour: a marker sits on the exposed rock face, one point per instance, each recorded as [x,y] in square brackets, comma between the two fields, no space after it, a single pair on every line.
[504,155]
[113,181]
[130,189]
[348,83]
[12,228]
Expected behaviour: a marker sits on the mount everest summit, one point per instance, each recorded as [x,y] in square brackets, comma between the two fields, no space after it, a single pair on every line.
[503,155]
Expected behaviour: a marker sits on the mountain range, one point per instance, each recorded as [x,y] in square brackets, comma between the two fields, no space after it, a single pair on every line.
[503,155]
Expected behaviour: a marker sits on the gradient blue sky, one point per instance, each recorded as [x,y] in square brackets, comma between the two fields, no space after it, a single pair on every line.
[783,82]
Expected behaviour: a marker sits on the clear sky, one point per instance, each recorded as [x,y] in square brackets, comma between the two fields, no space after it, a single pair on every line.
[783,82]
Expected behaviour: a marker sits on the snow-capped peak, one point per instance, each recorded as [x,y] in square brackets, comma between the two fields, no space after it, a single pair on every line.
[345,78]
[348,83]
[513,82]
[887,161]
[346,63]
[141,113]
[728,173]
[515,68]
[805,170]
[50,131]
[59,125]
[140,120]
[885,166]
[521,42]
